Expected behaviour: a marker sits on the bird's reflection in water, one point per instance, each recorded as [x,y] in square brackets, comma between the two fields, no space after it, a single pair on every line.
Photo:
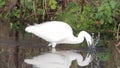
[58,59]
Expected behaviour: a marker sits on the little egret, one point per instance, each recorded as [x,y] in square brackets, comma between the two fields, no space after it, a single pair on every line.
[58,59]
[57,32]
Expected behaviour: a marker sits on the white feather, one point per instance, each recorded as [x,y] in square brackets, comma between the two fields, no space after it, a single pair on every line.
[57,32]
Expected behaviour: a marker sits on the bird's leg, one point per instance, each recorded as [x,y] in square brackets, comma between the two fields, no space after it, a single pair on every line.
[49,48]
[53,47]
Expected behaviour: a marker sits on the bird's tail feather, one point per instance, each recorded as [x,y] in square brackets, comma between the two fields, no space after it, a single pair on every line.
[30,61]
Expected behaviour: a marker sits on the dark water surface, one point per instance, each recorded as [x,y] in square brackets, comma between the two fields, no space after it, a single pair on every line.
[12,54]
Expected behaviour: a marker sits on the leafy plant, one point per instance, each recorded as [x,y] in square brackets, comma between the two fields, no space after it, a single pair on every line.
[104,56]
[2,3]
[92,18]
[27,4]
[77,20]
[40,11]
[52,4]
[105,13]
[15,13]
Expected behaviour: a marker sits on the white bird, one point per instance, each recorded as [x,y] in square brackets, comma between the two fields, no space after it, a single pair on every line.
[58,59]
[57,32]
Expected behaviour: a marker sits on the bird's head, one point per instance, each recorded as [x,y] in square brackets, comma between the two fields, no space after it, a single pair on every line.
[87,36]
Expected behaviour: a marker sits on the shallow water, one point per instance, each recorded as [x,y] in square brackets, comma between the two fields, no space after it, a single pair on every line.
[12,54]
[59,59]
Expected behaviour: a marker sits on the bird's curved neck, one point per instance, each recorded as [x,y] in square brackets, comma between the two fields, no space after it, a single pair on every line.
[74,40]
[81,36]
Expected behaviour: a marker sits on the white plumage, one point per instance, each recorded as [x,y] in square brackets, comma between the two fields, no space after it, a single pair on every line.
[57,32]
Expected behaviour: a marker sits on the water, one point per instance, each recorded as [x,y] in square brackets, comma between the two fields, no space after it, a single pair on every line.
[15,53]
[59,59]
[12,53]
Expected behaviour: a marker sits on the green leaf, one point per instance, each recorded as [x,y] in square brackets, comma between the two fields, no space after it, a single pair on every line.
[113,4]
[52,4]
[2,2]
[40,11]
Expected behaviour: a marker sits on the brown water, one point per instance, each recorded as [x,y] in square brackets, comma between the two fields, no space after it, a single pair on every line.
[12,54]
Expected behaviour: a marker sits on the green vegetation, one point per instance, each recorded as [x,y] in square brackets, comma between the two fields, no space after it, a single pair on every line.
[52,4]
[93,17]
[104,56]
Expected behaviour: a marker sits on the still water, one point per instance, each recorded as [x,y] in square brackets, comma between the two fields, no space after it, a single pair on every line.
[12,55]
[66,55]
[59,59]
